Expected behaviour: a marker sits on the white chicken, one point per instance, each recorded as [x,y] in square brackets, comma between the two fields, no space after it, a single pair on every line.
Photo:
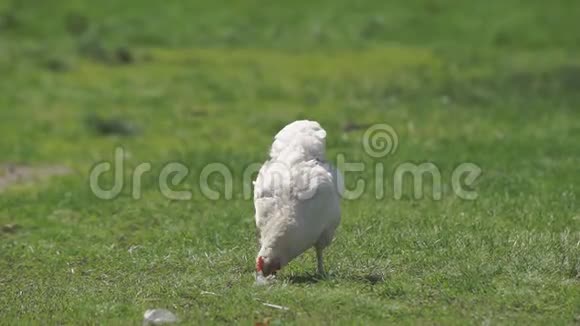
[296,198]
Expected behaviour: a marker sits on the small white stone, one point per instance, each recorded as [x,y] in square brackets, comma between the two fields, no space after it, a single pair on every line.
[159,317]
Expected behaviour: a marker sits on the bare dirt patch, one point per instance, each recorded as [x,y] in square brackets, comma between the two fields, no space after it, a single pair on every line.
[11,174]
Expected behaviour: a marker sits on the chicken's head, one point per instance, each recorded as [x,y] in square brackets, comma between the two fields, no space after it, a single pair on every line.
[267,266]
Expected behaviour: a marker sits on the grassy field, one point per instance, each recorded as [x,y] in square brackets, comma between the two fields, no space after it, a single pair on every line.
[495,83]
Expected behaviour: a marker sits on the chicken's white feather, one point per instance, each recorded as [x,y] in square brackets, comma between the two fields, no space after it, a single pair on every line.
[296,195]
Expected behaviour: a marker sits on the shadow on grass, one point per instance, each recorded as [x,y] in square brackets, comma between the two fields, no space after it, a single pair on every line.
[308,278]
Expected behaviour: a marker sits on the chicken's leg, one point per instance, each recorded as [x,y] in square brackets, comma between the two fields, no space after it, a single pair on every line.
[320,267]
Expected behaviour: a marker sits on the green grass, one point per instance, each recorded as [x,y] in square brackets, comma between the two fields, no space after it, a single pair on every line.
[494,83]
